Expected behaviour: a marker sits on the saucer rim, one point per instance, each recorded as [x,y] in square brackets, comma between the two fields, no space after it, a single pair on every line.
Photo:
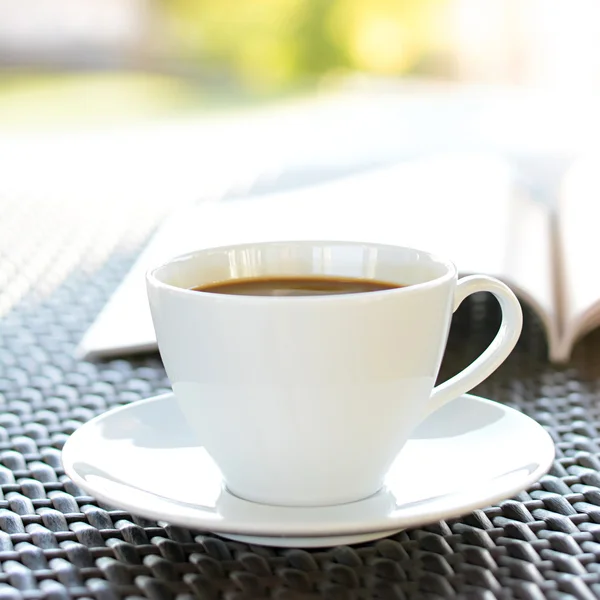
[278,529]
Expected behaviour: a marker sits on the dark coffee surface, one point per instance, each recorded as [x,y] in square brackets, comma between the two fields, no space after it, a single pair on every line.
[296,286]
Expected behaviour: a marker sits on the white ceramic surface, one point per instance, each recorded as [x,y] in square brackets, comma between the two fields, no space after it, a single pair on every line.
[145,458]
[319,393]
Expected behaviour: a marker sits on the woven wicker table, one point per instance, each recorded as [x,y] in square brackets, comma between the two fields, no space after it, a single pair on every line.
[59,263]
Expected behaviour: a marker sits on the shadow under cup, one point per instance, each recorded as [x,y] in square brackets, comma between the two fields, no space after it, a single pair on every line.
[303,400]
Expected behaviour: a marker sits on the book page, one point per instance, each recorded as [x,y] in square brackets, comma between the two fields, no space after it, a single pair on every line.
[529,268]
[458,206]
[578,222]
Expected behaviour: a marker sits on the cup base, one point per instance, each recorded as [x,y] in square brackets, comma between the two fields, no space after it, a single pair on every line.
[338,501]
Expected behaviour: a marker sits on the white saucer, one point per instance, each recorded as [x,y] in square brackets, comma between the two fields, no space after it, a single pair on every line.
[144,458]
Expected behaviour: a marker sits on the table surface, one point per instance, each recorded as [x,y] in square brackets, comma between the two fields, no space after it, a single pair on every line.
[59,263]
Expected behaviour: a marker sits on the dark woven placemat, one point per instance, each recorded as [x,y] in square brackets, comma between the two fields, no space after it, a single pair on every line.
[59,262]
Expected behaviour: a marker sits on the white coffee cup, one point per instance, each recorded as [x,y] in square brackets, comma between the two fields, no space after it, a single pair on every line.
[308,400]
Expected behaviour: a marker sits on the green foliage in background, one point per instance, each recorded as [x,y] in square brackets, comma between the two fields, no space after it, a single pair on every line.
[232,53]
[283,43]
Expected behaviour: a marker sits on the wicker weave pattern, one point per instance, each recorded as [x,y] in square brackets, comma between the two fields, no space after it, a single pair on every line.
[57,543]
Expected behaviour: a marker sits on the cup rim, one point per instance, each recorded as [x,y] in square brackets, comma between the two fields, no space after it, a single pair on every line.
[451,273]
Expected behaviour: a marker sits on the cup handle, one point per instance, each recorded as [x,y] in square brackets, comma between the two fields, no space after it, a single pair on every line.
[496,353]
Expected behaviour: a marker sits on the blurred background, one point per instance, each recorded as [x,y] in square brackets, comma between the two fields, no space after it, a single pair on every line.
[240,90]
[115,112]
[108,59]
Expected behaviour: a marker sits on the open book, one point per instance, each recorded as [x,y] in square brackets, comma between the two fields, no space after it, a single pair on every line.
[468,208]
